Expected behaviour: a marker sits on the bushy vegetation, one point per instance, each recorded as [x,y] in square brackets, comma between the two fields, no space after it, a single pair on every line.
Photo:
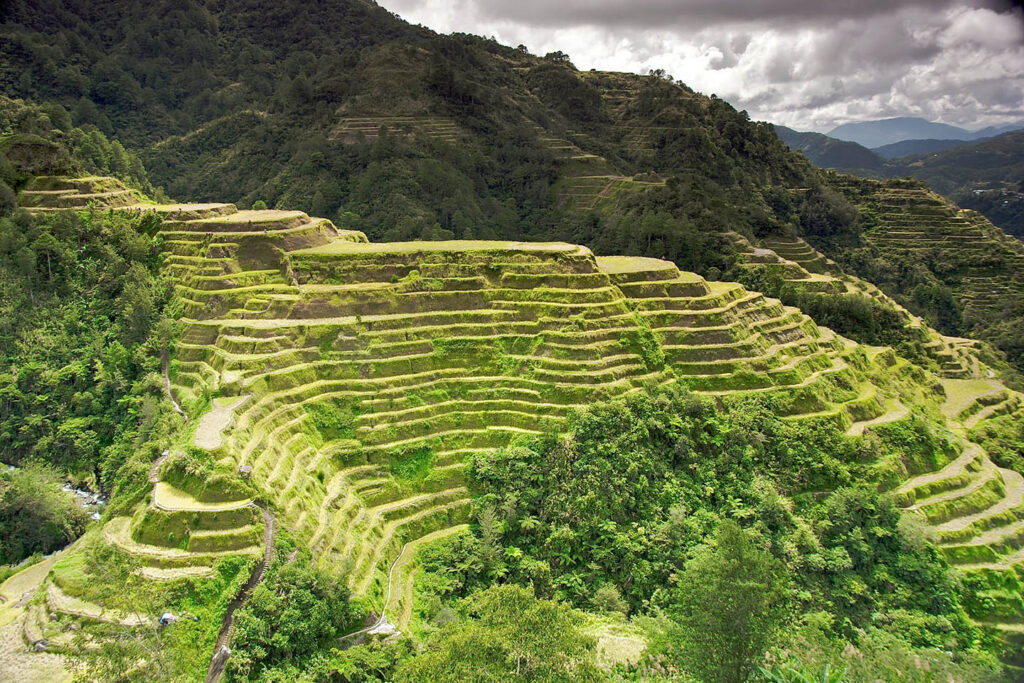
[857,316]
[80,333]
[194,471]
[729,603]
[41,140]
[36,515]
[100,573]
[634,489]
[294,613]
[504,632]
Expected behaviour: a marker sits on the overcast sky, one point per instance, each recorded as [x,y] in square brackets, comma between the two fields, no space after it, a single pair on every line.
[809,64]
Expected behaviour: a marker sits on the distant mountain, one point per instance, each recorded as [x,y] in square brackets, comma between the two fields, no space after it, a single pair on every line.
[992,131]
[829,152]
[992,162]
[986,175]
[924,134]
[905,148]
[872,134]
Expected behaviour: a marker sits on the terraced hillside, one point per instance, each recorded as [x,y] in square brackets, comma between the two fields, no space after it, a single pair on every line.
[57,193]
[367,128]
[983,265]
[803,269]
[976,508]
[352,379]
[370,371]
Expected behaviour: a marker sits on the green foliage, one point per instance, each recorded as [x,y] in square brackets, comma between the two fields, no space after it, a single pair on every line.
[39,140]
[914,446]
[878,567]
[1002,437]
[102,574]
[296,611]
[566,92]
[331,420]
[607,598]
[860,317]
[80,299]
[643,343]
[195,471]
[36,516]
[627,495]
[730,601]
[374,662]
[635,483]
[506,632]
[811,652]
[7,199]
[411,465]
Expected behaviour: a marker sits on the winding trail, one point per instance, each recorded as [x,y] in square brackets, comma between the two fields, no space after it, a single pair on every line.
[154,469]
[165,364]
[220,649]
[387,599]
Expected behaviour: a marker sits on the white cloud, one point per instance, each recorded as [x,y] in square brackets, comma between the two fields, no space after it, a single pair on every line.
[810,64]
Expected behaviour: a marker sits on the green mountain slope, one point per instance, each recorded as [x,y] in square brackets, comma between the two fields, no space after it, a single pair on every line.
[370,388]
[985,175]
[445,315]
[830,152]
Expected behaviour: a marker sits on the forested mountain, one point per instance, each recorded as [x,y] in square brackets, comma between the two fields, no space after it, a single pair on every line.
[364,328]
[829,152]
[984,175]
[905,148]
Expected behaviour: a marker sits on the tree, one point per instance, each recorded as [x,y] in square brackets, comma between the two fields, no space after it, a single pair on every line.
[47,244]
[730,601]
[507,633]
[36,516]
[293,613]
[558,57]
[7,199]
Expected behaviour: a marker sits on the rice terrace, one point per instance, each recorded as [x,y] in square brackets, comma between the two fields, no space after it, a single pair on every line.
[334,348]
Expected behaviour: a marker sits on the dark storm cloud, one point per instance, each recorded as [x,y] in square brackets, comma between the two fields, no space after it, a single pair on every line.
[661,13]
[810,64]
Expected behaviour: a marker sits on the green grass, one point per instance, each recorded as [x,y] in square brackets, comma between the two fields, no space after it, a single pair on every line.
[632,264]
[468,246]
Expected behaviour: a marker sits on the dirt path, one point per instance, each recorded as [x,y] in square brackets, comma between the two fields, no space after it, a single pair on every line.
[16,662]
[387,599]
[165,364]
[154,469]
[220,649]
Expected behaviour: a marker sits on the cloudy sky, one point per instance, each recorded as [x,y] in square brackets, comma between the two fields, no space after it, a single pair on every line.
[809,64]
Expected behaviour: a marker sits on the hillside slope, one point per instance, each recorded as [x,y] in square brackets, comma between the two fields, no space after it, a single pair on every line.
[353,380]
[830,152]
[903,222]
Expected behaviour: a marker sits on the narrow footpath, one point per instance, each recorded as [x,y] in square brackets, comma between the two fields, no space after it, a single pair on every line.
[220,649]
[383,610]
[165,364]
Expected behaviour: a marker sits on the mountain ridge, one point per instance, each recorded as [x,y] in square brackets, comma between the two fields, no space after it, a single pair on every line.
[882,132]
